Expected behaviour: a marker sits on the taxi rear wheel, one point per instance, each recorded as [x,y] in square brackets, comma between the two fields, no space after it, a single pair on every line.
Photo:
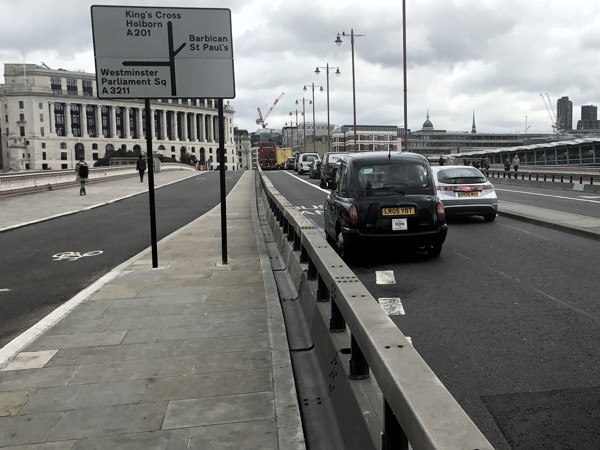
[489,217]
[343,247]
[434,250]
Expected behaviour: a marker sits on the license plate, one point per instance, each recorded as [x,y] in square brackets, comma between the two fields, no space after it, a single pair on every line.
[468,194]
[399,224]
[398,211]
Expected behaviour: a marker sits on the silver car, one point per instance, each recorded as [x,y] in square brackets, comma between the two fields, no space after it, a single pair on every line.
[465,191]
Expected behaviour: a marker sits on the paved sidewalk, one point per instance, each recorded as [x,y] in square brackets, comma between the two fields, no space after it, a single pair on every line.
[192,354]
[572,223]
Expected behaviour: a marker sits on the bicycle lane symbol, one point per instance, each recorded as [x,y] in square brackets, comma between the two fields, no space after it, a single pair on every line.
[74,256]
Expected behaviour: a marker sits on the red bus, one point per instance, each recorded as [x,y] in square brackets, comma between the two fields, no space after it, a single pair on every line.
[267,155]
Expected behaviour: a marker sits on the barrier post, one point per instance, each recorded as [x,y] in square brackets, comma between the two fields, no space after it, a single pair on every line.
[393,437]
[359,368]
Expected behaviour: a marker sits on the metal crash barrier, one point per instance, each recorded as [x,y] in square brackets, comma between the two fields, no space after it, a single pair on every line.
[414,406]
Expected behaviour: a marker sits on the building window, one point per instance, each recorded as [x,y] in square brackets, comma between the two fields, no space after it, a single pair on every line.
[76,120]
[88,90]
[94,146]
[6,118]
[41,105]
[56,85]
[22,131]
[42,132]
[71,86]
[41,117]
[119,122]
[95,156]
[59,119]
[44,156]
[105,121]
[133,123]
[43,145]
[63,166]
[21,104]
[44,166]
[21,117]
[90,112]
[63,145]
[63,156]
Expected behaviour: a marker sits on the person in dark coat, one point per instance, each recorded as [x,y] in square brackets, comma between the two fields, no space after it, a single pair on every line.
[82,170]
[140,165]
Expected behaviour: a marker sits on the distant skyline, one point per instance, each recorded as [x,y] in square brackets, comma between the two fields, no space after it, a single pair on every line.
[463,56]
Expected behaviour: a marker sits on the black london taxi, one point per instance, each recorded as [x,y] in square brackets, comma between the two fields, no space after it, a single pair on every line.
[384,198]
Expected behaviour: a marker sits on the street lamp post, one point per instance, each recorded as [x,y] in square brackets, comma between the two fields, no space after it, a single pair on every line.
[314,123]
[337,72]
[303,120]
[338,41]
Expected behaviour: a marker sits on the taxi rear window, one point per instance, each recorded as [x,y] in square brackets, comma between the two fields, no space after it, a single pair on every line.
[393,177]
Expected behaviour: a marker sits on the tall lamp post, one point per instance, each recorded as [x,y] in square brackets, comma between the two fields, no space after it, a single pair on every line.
[314,123]
[404,75]
[303,120]
[338,41]
[337,72]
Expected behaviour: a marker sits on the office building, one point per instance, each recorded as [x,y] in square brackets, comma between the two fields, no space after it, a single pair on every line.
[589,118]
[564,114]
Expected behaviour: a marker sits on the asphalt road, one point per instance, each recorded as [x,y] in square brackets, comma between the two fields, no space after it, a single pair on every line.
[38,283]
[507,318]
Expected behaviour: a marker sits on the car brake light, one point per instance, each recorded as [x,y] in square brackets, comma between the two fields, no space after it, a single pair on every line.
[445,188]
[441,212]
[353,215]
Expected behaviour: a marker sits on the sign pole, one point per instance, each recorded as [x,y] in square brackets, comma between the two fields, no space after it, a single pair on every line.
[222,179]
[150,157]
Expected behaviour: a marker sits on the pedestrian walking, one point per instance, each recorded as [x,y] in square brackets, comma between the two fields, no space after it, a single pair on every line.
[83,172]
[140,165]
[515,162]
[507,165]
[209,163]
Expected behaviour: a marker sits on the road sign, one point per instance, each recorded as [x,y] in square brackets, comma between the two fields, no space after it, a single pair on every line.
[149,52]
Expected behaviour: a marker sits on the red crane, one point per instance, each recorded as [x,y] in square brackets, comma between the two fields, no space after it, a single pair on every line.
[262,120]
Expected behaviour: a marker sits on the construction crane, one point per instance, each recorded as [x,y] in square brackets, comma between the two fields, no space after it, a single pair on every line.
[262,120]
[553,119]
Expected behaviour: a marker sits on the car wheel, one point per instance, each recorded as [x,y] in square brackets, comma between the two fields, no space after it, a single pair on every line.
[343,247]
[434,250]
[489,217]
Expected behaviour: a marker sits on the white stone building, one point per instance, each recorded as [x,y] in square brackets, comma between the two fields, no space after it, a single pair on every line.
[51,118]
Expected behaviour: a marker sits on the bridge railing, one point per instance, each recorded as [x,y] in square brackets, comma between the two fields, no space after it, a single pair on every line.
[416,408]
[547,176]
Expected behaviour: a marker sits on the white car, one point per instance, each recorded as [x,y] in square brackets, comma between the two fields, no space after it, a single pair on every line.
[305,160]
[465,191]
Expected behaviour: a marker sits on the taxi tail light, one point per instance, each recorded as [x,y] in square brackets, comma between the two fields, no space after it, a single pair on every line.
[353,215]
[441,212]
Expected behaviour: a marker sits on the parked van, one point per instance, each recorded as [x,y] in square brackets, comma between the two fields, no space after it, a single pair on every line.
[305,160]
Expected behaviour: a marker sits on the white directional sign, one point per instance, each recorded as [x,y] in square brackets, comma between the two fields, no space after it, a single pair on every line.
[163,52]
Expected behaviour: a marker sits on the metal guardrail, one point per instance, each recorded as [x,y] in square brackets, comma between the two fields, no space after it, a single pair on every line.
[417,408]
[554,177]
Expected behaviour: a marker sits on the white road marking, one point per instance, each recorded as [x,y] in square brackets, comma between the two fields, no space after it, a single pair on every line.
[568,305]
[316,186]
[4,290]
[580,198]
[392,306]
[385,277]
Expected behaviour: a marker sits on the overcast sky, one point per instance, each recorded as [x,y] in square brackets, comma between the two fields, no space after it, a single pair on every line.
[488,57]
